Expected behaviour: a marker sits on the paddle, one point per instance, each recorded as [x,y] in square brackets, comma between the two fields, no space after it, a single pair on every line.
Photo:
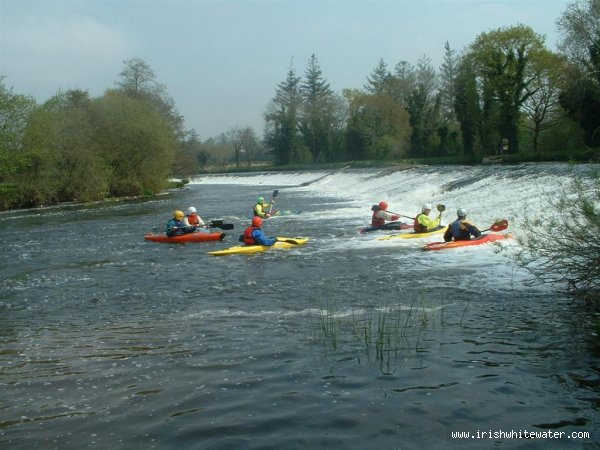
[499,225]
[220,224]
[440,208]
[275,194]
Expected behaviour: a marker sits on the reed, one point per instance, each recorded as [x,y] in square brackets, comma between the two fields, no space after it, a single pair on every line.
[381,334]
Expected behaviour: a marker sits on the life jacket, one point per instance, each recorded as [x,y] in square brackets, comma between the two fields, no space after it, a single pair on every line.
[377,221]
[458,232]
[418,226]
[259,209]
[194,219]
[248,238]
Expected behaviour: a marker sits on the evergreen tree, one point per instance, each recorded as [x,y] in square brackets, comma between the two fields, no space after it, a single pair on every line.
[466,105]
[380,80]
[281,130]
[317,112]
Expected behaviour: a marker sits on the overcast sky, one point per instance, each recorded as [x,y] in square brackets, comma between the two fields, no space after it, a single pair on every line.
[221,60]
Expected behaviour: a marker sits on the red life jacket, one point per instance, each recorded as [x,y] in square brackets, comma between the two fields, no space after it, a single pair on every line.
[377,221]
[193,219]
[248,238]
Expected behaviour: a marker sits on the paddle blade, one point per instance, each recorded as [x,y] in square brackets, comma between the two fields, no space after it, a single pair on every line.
[441,208]
[499,225]
[275,193]
[220,224]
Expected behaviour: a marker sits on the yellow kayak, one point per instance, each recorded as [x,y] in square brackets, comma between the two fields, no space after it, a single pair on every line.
[282,242]
[413,235]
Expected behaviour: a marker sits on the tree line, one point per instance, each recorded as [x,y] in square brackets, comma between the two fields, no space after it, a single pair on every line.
[505,93]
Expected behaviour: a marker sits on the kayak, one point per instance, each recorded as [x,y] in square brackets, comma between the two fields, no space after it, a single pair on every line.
[196,236]
[483,239]
[388,226]
[282,242]
[413,235]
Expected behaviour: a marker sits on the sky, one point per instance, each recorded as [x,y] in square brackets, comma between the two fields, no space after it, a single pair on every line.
[221,60]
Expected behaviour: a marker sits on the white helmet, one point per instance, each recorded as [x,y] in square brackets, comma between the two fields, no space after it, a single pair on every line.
[191,210]
[461,212]
[426,206]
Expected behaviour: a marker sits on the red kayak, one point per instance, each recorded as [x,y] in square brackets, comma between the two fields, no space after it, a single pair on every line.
[186,238]
[483,239]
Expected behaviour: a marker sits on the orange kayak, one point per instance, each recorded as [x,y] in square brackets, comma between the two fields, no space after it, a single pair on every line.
[197,236]
[483,239]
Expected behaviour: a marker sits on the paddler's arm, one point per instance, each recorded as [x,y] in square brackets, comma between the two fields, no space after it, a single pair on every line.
[261,239]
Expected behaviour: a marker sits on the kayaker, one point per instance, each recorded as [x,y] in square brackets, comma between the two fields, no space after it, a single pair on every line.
[461,229]
[255,236]
[176,226]
[423,223]
[192,218]
[380,215]
[260,209]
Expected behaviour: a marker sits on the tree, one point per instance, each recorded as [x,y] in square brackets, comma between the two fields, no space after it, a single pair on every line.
[542,107]
[15,113]
[402,82]
[138,81]
[448,75]
[136,141]
[317,112]
[378,126]
[282,138]
[187,161]
[423,105]
[250,145]
[580,25]
[380,80]
[467,105]
[502,62]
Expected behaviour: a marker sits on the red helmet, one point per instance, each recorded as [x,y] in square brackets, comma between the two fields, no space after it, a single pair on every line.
[256,221]
[383,206]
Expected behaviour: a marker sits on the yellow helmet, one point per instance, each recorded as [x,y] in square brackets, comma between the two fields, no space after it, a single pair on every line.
[179,214]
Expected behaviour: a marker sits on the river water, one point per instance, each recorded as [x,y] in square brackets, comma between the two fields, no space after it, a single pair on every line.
[350,342]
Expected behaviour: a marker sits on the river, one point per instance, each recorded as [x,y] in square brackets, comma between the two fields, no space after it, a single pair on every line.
[349,342]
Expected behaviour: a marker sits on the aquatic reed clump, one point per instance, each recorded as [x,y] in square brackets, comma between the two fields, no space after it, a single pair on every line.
[381,334]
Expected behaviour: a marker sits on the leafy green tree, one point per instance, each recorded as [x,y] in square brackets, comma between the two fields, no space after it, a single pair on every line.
[82,174]
[378,126]
[138,81]
[186,162]
[251,147]
[136,141]
[15,113]
[580,27]
[542,107]
[502,62]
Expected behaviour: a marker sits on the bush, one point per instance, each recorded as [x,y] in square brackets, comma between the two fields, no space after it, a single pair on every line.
[562,246]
